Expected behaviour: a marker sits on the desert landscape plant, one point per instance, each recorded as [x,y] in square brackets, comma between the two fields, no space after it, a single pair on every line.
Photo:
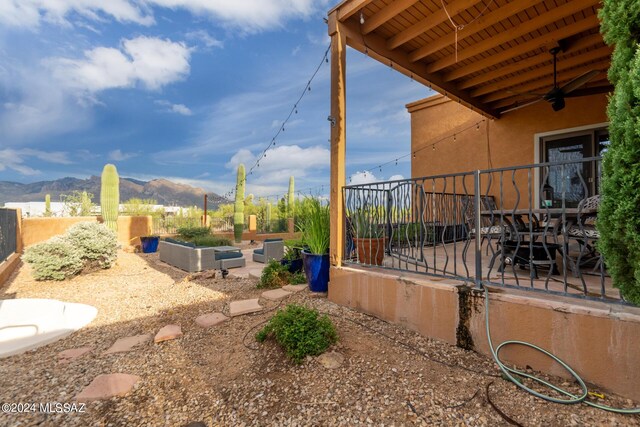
[110,196]
[97,244]
[54,259]
[300,331]
[276,275]
[238,213]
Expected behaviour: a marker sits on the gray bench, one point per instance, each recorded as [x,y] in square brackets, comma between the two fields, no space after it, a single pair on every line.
[188,257]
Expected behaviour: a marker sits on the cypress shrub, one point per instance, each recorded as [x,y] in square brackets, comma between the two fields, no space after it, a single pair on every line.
[55,259]
[619,216]
[98,245]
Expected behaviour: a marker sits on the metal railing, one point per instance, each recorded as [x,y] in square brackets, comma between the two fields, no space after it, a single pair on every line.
[273,226]
[8,229]
[529,227]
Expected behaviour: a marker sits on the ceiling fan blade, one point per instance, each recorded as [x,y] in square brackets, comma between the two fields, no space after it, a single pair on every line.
[517,107]
[586,91]
[579,81]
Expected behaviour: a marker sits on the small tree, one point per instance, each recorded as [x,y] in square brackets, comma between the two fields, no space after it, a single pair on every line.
[77,203]
[619,215]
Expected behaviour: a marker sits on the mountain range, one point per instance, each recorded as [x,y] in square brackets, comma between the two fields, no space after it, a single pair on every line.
[163,191]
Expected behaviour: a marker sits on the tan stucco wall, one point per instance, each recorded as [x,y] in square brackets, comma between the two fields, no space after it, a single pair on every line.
[598,341]
[35,230]
[508,141]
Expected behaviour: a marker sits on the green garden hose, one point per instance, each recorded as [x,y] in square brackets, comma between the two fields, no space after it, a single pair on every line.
[507,371]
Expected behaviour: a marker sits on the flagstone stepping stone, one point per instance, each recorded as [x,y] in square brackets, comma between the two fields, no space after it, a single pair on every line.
[237,308]
[211,319]
[106,386]
[168,332]
[127,343]
[295,288]
[73,353]
[275,294]
[255,273]
[331,360]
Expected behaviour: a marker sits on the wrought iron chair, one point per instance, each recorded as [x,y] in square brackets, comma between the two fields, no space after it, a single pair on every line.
[585,233]
[491,228]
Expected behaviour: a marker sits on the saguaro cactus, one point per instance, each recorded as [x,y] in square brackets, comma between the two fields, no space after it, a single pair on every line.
[267,216]
[110,196]
[47,205]
[290,200]
[238,211]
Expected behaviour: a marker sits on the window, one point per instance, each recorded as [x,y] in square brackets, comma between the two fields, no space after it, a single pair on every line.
[575,180]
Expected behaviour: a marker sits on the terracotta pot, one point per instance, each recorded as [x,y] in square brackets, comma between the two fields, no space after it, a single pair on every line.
[370,251]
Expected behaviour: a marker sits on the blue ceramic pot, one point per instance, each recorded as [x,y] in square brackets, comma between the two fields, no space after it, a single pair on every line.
[149,244]
[294,266]
[316,268]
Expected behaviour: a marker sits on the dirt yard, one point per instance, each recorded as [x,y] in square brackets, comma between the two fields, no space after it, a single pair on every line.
[222,376]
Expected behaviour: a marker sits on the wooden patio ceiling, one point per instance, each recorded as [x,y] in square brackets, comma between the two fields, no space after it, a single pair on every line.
[498,56]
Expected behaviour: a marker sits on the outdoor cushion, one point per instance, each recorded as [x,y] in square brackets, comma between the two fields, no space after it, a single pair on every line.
[227,255]
[259,251]
[180,242]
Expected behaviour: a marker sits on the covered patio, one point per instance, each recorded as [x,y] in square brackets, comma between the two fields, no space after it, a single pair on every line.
[506,157]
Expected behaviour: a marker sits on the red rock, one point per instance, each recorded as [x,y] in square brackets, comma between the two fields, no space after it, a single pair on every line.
[127,343]
[73,353]
[107,386]
[211,319]
[168,332]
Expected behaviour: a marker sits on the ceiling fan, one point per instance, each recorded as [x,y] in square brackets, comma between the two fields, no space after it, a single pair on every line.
[557,94]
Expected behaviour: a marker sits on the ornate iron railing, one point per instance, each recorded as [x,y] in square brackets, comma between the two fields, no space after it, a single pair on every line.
[529,227]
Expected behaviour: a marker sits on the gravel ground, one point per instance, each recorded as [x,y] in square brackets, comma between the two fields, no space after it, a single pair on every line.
[222,376]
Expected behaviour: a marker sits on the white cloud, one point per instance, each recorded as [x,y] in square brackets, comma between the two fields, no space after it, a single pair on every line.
[205,38]
[396,178]
[15,159]
[362,178]
[174,108]
[29,13]
[150,62]
[246,15]
[119,156]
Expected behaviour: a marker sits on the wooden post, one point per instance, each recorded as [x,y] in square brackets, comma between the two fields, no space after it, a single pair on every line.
[205,222]
[338,137]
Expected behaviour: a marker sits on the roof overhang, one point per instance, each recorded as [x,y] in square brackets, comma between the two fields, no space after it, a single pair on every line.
[489,55]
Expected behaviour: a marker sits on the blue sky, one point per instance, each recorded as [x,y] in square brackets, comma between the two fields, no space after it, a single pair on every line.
[186,90]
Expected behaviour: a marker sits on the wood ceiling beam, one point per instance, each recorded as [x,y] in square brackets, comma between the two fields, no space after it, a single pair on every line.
[546,83]
[565,64]
[582,43]
[547,39]
[526,27]
[348,8]
[429,22]
[480,24]
[376,47]
[385,14]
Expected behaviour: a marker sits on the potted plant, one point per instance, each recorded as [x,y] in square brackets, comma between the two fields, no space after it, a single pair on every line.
[293,257]
[149,244]
[315,231]
[368,237]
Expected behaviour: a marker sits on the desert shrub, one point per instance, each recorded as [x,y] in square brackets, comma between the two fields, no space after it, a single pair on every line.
[211,241]
[300,331]
[98,245]
[274,275]
[55,259]
[193,232]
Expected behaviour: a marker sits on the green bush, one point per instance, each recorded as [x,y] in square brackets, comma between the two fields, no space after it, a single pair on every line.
[300,331]
[619,214]
[55,259]
[211,241]
[97,244]
[193,232]
[276,275]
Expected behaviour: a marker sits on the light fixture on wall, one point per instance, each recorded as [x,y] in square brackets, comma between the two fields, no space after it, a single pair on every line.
[361,18]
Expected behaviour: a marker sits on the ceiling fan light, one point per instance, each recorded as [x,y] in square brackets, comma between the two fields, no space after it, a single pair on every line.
[558,103]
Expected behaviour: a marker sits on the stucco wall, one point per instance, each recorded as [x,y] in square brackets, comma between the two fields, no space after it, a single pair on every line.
[598,340]
[35,230]
[508,141]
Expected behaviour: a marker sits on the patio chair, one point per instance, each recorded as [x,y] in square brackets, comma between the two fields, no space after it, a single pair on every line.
[585,233]
[271,249]
[492,228]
